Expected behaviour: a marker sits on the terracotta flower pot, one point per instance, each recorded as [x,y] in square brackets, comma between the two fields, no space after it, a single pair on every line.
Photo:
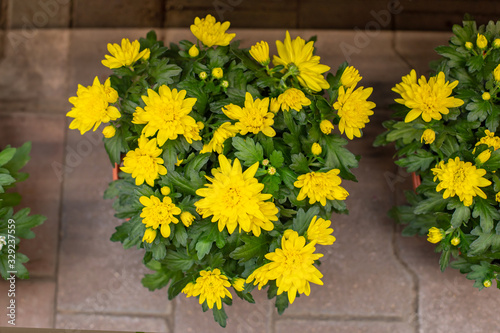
[116,169]
[416,180]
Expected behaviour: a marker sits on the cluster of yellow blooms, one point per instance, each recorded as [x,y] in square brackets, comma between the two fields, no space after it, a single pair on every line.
[232,197]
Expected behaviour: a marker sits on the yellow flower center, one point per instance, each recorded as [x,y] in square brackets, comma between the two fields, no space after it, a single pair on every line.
[233,197]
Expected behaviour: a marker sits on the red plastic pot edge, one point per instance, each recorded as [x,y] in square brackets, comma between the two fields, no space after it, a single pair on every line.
[416,180]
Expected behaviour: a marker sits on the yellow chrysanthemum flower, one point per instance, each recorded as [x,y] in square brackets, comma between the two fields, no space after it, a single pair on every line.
[497,197]
[234,199]
[460,178]
[299,55]
[292,266]
[260,52]
[428,136]
[125,55]
[149,235]
[143,162]
[225,131]
[481,41]
[490,139]
[293,99]
[496,73]
[254,117]
[326,126]
[354,110]
[350,77]
[435,235]
[319,231]
[187,218]
[320,186]
[166,112]
[210,32]
[188,289]
[484,156]
[427,99]
[274,105]
[212,287]
[158,213]
[238,284]
[91,106]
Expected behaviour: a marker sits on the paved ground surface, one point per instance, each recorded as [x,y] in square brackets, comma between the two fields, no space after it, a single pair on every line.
[375,280]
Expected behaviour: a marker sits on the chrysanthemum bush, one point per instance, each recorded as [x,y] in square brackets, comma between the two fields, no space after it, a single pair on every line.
[445,132]
[231,164]
[14,226]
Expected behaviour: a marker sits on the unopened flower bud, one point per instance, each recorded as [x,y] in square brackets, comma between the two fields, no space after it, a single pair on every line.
[435,235]
[193,51]
[203,75]
[149,235]
[225,83]
[187,218]
[217,73]
[265,162]
[109,131]
[487,283]
[484,156]
[428,136]
[326,126]
[316,149]
[165,190]
[455,241]
[496,43]
[481,41]
[271,171]
[469,45]
[486,96]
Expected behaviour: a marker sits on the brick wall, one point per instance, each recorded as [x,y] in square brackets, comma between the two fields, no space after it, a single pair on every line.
[316,14]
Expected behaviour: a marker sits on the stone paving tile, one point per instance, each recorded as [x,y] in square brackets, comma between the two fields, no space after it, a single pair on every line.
[42,190]
[417,48]
[34,71]
[319,326]
[242,316]
[312,14]
[34,303]
[95,274]
[36,14]
[117,13]
[447,301]
[108,322]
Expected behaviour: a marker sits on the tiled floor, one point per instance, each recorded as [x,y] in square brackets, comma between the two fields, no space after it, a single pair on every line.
[375,280]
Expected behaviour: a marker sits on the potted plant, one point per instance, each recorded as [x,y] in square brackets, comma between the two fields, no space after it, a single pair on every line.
[444,132]
[229,168]
[14,225]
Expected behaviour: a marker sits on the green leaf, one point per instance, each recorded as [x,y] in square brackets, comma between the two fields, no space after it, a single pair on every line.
[475,63]
[178,261]
[220,315]
[178,283]
[300,164]
[444,260]
[449,52]
[159,251]
[421,160]
[20,158]
[277,159]
[6,155]
[163,72]
[303,219]
[248,151]
[484,241]
[486,212]
[282,302]
[6,180]
[434,203]
[404,131]
[480,273]
[254,247]
[156,280]
[115,146]
[461,215]
[339,157]
[192,169]
[478,110]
